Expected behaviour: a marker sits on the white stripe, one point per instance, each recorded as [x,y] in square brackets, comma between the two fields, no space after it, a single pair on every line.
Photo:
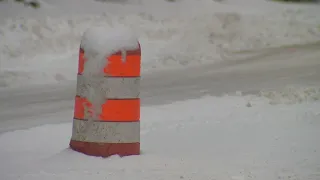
[112,87]
[106,132]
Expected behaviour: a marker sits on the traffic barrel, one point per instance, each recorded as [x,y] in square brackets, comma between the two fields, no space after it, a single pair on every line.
[107,104]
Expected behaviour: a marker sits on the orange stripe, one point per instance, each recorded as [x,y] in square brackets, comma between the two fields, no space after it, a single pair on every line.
[106,149]
[116,67]
[115,110]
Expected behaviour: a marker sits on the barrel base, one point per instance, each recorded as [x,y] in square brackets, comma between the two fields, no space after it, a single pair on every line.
[105,149]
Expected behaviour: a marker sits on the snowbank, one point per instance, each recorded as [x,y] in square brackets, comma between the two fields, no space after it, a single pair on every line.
[43,49]
[228,140]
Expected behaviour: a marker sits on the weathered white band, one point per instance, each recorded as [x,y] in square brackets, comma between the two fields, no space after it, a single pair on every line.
[106,132]
[111,87]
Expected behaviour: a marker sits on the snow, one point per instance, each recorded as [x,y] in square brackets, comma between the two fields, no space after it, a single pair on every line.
[99,43]
[104,41]
[41,46]
[267,136]
[209,138]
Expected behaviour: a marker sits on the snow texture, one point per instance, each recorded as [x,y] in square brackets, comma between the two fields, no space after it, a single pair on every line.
[100,42]
[272,136]
[35,44]
[203,139]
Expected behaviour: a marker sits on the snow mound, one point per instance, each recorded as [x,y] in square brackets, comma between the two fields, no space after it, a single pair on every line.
[167,42]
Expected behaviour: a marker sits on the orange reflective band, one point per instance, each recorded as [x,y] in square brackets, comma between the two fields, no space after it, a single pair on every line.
[113,110]
[116,66]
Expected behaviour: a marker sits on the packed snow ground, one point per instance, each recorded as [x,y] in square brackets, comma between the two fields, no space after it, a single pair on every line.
[41,46]
[223,138]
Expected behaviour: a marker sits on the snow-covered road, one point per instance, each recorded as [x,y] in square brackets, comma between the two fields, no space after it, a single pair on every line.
[271,69]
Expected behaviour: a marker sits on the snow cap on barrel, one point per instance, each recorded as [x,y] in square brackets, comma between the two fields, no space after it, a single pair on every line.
[100,42]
